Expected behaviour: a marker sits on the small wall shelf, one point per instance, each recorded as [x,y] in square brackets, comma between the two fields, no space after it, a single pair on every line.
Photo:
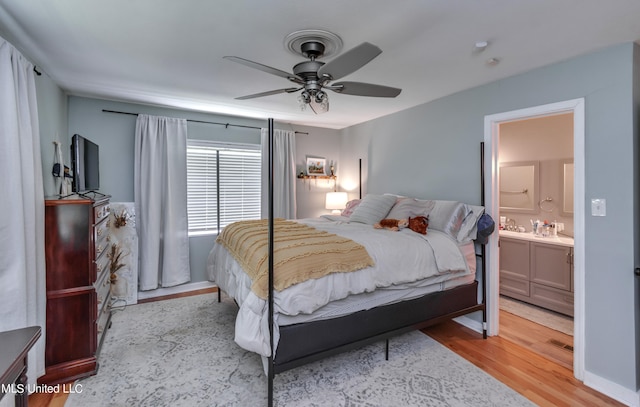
[317,177]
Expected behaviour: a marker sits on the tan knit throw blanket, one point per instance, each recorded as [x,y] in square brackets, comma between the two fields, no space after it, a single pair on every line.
[300,252]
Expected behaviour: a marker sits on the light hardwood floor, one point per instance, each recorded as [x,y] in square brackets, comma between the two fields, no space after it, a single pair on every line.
[526,370]
[549,343]
[529,371]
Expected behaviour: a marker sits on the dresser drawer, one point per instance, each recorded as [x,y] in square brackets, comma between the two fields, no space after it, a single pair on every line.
[100,212]
[103,288]
[101,237]
[102,266]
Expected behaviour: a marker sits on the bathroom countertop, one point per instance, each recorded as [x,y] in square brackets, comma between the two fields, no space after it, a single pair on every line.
[557,240]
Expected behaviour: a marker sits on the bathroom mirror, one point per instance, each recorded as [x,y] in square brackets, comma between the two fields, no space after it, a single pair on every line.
[567,188]
[519,190]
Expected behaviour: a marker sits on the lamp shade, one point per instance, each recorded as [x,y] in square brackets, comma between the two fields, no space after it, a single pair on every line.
[336,200]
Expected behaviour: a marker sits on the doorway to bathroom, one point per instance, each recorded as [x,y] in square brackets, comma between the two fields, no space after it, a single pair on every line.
[543,260]
[536,234]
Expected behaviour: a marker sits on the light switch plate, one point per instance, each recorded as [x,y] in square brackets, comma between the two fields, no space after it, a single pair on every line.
[598,207]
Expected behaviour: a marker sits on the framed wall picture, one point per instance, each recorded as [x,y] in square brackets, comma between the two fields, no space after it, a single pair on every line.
[316,166]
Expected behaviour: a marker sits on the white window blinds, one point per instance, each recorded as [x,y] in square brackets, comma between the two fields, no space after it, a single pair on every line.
[223,184]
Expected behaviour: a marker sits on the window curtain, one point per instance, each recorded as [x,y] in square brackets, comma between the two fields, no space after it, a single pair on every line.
[284,174]
[160,191]
[22,262]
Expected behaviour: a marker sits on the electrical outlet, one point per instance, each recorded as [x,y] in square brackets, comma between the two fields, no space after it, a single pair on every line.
[598,207]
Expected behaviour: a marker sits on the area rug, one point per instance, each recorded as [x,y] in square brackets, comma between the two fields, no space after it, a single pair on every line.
[181,352]
[538,315]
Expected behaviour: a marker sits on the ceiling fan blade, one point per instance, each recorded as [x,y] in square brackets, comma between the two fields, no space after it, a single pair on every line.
[264,68]
[350,61]
[268,93]
[365,89]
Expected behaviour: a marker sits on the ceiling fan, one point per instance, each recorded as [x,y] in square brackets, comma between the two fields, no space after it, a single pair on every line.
[313,77]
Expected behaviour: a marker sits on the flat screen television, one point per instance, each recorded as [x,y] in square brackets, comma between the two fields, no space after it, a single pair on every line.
[85,163]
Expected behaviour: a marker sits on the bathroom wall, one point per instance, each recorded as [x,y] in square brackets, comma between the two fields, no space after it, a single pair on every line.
[548,140]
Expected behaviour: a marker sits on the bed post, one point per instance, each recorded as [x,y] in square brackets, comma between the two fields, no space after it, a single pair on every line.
[483,249]
[270,372]
[360,178]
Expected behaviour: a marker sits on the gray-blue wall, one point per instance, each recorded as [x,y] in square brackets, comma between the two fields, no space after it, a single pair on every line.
[52,116]
[432,151]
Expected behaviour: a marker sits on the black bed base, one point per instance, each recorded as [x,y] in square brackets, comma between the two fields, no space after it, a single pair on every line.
[300,344]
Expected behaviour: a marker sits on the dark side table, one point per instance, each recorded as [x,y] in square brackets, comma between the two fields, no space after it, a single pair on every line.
[14,346]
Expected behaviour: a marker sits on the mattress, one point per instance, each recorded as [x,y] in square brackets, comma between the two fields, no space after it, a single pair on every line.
[408,265]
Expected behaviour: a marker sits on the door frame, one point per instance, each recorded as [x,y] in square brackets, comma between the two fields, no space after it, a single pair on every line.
[491,140]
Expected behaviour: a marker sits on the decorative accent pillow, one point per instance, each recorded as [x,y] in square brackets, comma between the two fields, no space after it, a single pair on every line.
[410,207]
[372,209]
[350,207]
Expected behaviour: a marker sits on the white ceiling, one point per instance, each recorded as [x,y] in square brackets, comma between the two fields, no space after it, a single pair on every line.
[169,52]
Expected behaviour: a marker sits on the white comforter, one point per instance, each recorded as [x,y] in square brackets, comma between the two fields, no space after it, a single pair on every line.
[401,258]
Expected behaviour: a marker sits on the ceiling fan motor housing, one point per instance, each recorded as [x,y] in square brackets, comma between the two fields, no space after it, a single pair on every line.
[312,49]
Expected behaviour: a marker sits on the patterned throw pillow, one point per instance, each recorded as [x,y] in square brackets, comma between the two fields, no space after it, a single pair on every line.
[350,207]
[372,209]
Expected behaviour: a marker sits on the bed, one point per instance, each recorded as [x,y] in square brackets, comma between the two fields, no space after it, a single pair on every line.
[414,281]
[303,335]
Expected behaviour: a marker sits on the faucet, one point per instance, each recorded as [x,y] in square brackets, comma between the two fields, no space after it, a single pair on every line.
[510,225]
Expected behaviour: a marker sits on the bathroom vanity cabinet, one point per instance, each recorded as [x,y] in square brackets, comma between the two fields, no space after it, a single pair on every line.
[538,271]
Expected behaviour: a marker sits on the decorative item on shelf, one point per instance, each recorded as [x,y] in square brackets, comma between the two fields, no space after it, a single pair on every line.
[316,166]
[336,201]
[317,169]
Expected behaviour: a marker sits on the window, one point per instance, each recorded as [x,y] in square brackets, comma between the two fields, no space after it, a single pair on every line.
[223,184]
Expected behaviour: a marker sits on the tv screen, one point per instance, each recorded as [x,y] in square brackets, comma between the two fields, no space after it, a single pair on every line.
[85,162]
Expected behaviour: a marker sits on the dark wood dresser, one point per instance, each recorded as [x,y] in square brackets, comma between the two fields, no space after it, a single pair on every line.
[78,286]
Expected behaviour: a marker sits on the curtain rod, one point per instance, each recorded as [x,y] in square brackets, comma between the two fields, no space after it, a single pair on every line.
[201,121]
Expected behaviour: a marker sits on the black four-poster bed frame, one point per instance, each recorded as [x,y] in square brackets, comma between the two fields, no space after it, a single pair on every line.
[307,342]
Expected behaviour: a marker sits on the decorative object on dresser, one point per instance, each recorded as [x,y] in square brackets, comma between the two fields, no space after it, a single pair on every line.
[78,285]
[122,231]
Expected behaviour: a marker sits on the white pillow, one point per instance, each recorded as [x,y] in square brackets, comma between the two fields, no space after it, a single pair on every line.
[372,209]
[447,217]
[411,207]
[469,229]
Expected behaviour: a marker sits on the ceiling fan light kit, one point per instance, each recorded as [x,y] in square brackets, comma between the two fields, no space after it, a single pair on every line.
[313,76]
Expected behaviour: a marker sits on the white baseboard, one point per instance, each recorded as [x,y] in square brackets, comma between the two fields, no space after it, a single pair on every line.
[183,288]
[611,389]
[470,323]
